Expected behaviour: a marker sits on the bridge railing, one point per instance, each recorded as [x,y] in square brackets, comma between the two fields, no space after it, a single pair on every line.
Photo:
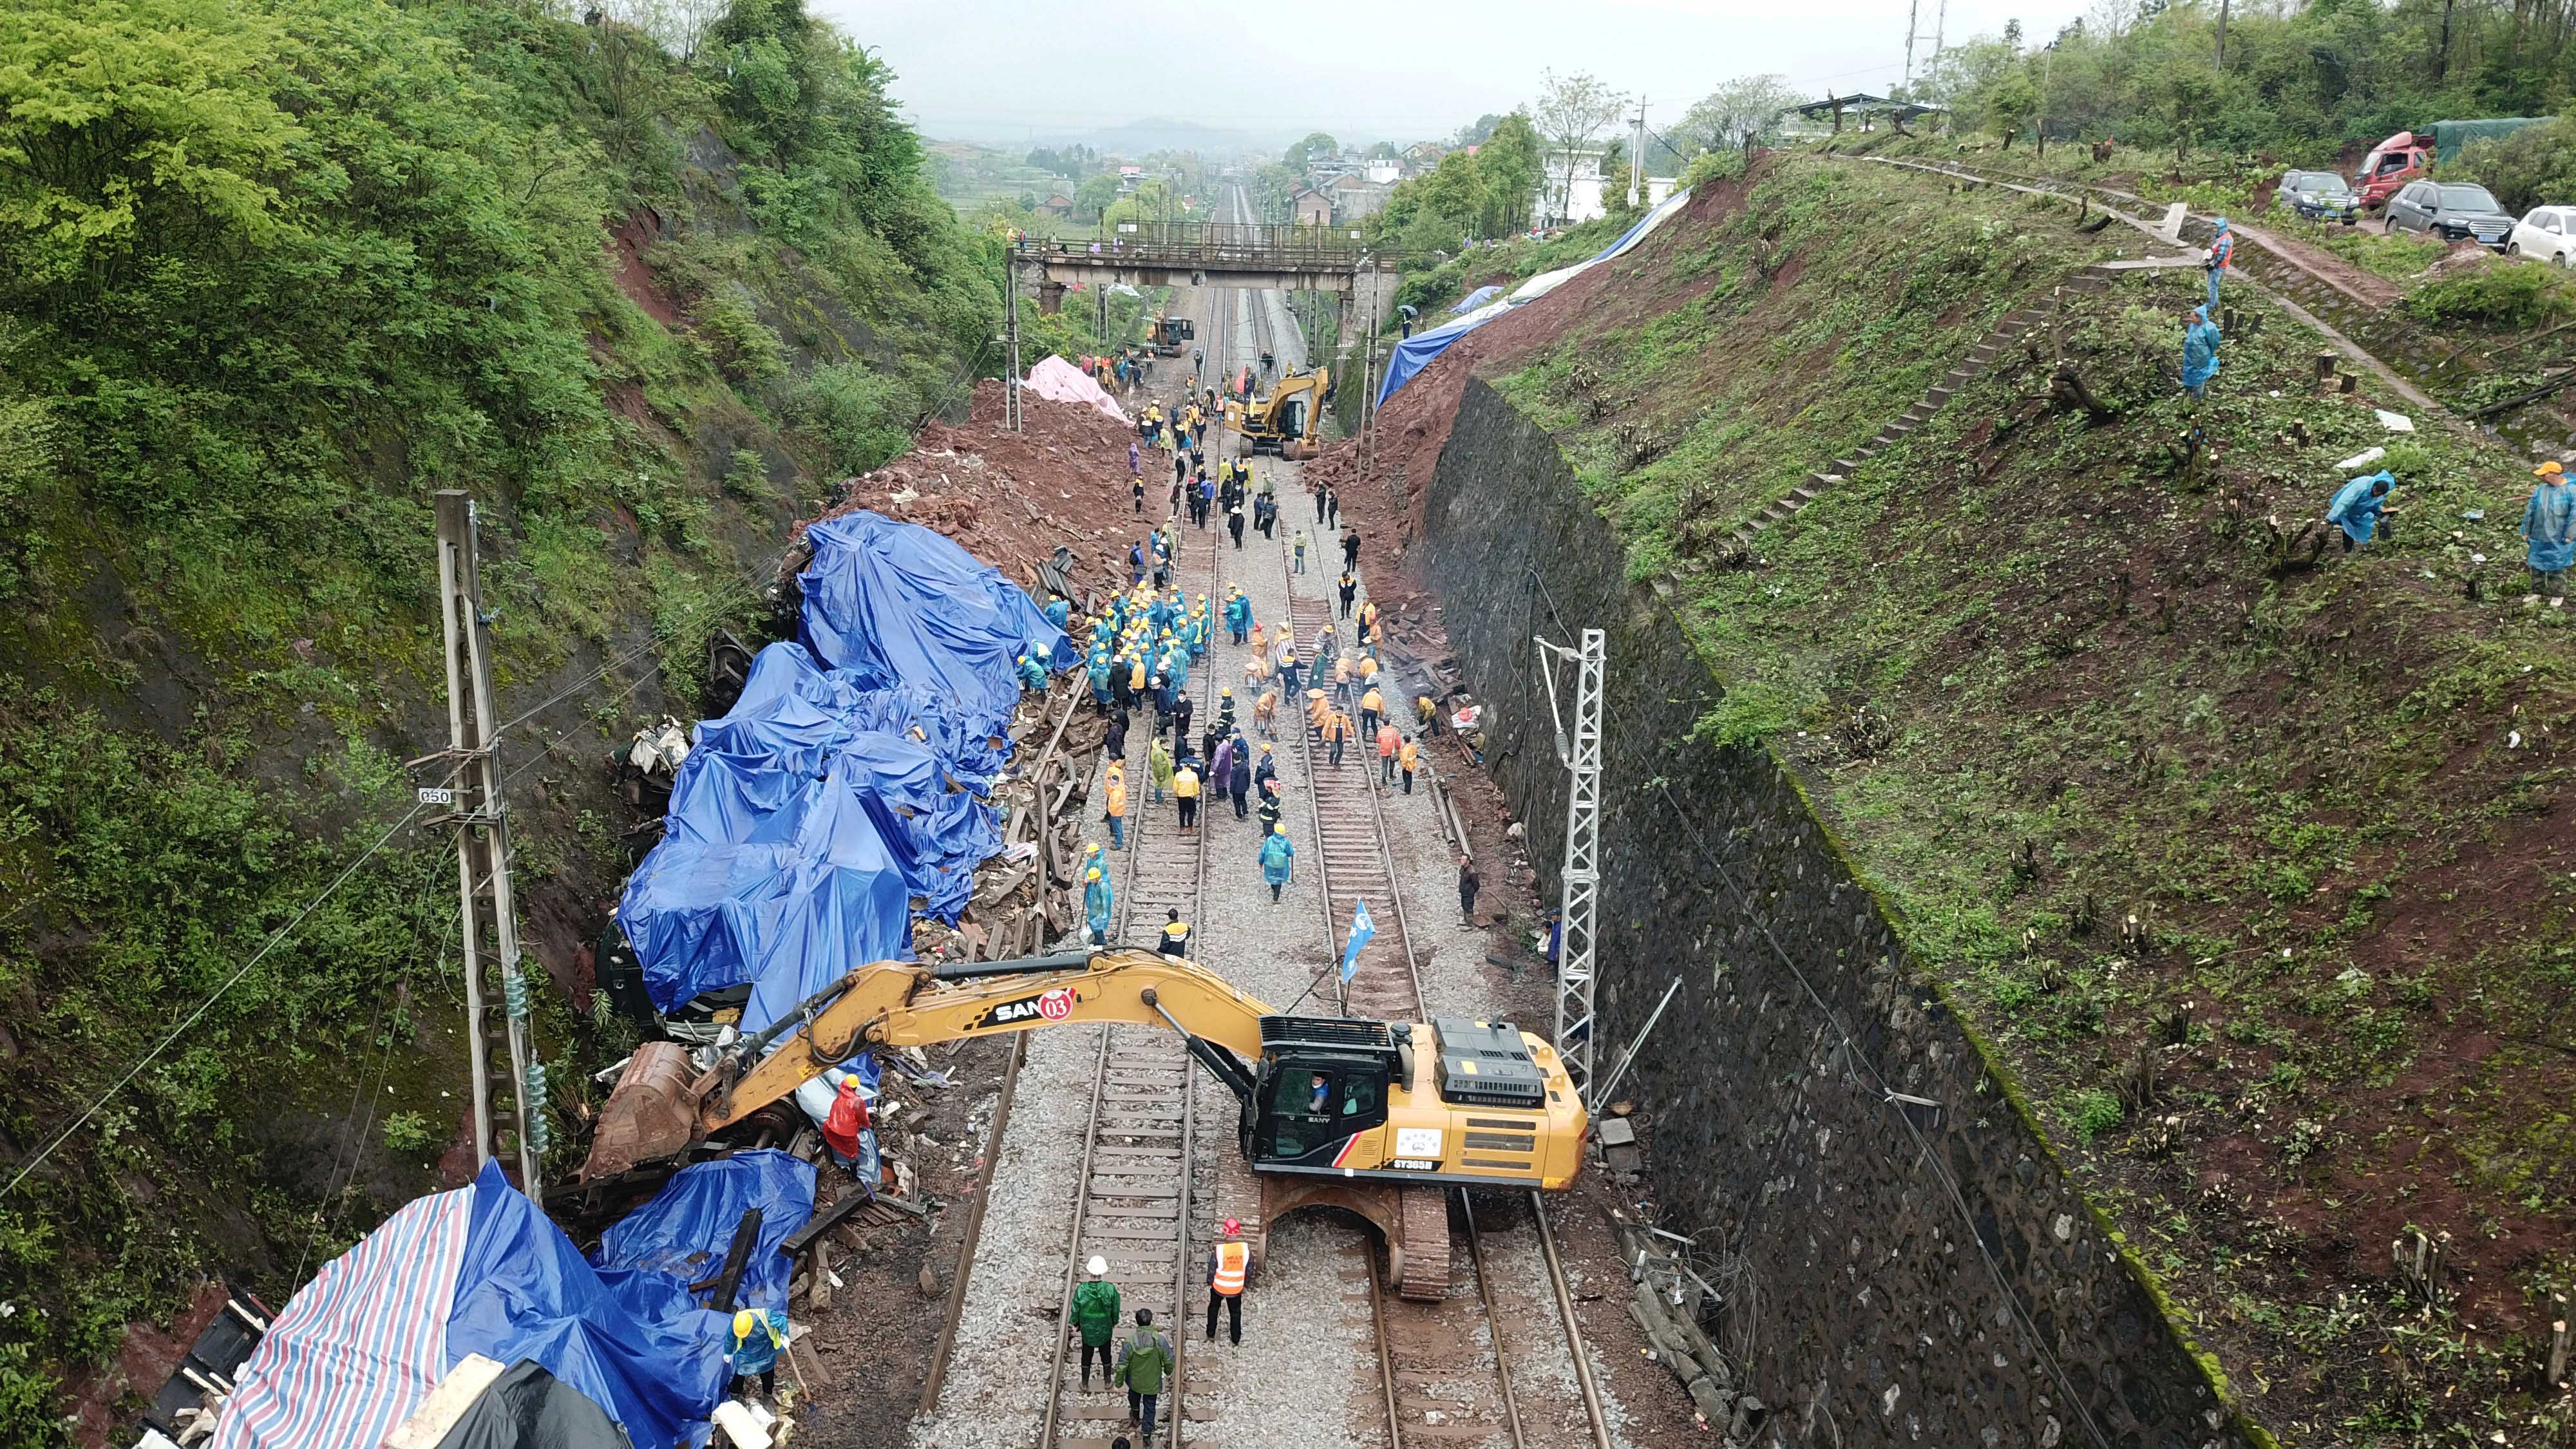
[1247,246]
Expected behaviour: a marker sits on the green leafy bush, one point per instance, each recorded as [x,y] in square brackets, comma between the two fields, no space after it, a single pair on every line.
[2093,1112]
[409,1133]
[861,419]
[2535,166]
[2501,294]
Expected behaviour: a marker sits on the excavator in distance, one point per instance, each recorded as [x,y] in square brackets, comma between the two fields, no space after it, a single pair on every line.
[1377,1118]
[1289,422]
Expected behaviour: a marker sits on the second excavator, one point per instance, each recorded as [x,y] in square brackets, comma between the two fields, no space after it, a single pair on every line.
[1290,421]
[1378,1118]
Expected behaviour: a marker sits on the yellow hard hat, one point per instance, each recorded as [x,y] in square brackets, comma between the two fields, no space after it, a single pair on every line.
[1279,829]
[744,1322]
[1092,874]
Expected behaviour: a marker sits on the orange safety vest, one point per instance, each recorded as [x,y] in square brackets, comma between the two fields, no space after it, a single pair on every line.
[1231,1260]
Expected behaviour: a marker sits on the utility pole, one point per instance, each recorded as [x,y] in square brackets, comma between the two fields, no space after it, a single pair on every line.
[2222,31]
[491,923]
[1637,156]
[1368,370]
[1011,332]
[1940,29]
[1580,752]
[1913,12]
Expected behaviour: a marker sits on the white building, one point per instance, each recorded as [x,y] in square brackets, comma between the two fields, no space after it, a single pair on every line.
[1569,188]
[1385,170]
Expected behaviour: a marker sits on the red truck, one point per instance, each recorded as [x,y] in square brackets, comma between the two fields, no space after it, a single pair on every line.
[2409,154]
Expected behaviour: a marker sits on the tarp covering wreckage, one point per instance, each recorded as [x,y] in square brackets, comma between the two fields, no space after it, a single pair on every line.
[847,782]
[849,778]
[1415,353]
[481,1271]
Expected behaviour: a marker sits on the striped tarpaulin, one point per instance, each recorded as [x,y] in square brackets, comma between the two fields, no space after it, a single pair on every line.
[363,1344]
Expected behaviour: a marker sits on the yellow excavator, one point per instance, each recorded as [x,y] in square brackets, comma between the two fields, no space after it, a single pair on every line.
[1289,422]
[1378,1118]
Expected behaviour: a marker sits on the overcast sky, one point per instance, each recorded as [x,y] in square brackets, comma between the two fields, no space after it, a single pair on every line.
[1384,69]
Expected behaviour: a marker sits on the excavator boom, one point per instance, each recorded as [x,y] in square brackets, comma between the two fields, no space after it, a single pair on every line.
[901,1003]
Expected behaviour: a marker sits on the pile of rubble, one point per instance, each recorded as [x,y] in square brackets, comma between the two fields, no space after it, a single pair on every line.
[1666,1300]
[1029,894]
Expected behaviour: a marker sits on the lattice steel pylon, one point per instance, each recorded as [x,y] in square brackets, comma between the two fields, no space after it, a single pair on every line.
[1579,750]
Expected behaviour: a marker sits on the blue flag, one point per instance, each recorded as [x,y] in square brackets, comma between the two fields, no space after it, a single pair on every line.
[1362,928]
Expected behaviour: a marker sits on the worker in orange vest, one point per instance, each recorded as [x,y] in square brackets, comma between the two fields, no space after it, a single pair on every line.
[1387,740]
[1372,704]
[1117,813]
[1229,1263]
[1407,756]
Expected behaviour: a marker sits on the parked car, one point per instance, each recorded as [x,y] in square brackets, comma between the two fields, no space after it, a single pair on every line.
[2451,210]
[2546,232]
[2318,196]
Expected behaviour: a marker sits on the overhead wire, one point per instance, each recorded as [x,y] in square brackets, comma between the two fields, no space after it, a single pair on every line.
[37,1159]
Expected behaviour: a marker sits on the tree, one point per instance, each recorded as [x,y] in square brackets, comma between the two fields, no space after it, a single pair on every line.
[2010,103]
[2184,93]
[1570,112]
[145,124]
[1507,162]
[1734,113]
[1096,195]
[1300,156]
[1475,135]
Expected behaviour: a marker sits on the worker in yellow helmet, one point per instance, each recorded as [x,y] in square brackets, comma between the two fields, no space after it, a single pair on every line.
[757,1339]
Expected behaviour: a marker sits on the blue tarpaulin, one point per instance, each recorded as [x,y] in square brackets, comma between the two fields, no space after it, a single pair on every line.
[680,1237]
[480,1270]
[523,1291]
[846,781]
[1476,299]
[1415,353]
[890,603]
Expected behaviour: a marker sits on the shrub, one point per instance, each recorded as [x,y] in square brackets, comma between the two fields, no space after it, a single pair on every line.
[862,419]
[409,1134]
[2094,1112]
[2501,294]
[2535,166]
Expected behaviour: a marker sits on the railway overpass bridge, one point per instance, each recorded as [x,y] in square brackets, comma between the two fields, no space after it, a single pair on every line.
[1204,254]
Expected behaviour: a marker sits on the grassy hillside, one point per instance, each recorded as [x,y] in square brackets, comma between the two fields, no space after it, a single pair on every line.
[270,274]
[2251,864]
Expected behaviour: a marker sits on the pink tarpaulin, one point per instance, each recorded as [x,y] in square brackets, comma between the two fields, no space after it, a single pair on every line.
[1060,381]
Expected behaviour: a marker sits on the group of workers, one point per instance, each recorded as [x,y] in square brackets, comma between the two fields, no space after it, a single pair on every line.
[1118,373]
[1145,1358]
[2361,504]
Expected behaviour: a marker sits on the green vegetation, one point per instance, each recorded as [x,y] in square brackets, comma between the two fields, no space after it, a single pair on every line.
[2150,771]
[2296,81]
[270,274]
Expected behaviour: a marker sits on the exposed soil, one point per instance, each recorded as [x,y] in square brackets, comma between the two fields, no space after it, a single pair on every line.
[1011,498]
[628,241]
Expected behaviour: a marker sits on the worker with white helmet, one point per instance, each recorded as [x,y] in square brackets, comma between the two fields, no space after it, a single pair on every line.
[1095,1316]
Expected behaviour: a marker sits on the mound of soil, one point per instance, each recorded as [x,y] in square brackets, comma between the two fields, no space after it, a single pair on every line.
[1010,498]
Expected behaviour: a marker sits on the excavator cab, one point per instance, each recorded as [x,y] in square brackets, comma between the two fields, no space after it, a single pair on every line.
[1320,1084]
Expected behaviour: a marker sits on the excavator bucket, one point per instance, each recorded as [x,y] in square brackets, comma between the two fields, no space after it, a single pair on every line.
[653,1113]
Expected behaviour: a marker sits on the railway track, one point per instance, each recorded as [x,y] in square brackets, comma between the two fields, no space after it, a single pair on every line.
[1139,1162]
[1445,1366]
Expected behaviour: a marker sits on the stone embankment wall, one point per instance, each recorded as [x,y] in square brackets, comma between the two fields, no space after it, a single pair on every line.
[1904,1262]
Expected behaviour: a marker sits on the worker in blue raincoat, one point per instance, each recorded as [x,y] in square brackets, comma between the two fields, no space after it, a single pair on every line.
[1238,617]
[1277,855]
[1100,680]
[2199,352]
[1032,673]
[1097,901]
[2221,248]
[1059,611]
[2359,505]
[2549,527]
[757,1339]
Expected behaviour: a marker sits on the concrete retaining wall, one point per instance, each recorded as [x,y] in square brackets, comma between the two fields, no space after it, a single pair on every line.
[1899,1274]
